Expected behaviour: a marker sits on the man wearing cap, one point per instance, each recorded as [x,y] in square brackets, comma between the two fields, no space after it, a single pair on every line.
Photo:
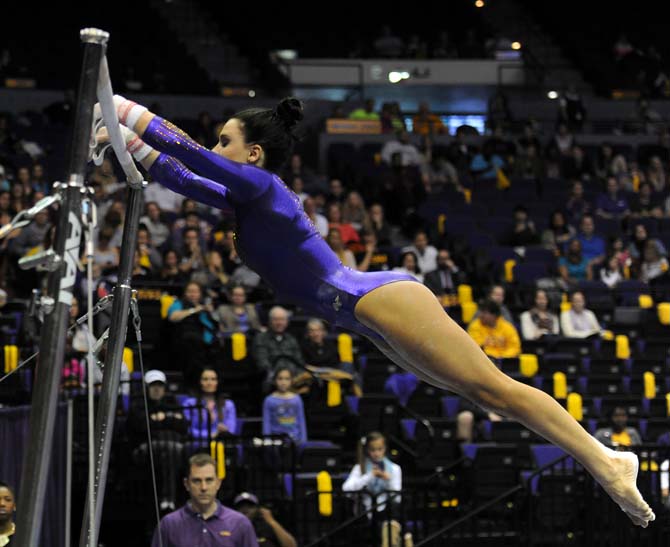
[203,521]
[168,429]
[268,531]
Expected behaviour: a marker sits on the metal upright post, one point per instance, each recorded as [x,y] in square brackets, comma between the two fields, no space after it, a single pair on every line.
[59,297]
[113,360]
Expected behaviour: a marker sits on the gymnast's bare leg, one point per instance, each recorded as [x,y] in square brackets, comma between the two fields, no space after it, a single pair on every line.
[419,332]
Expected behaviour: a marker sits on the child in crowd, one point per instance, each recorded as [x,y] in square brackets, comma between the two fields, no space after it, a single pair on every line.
[283,411]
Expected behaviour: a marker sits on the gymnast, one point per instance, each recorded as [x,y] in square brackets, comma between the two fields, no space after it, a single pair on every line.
[399,315]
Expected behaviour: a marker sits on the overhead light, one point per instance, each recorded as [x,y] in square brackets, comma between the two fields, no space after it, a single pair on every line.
[252,93]
[479,3]
[552,95]
[395,76]
[516,45]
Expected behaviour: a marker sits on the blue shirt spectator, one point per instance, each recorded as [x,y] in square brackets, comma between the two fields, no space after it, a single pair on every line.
[486,166]
[593,246]
[574,266]
[283,411]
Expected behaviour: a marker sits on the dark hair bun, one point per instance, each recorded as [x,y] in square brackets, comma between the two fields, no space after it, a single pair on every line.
[289,111]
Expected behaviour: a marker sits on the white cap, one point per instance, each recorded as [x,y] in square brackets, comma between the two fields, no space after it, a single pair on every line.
[155,376]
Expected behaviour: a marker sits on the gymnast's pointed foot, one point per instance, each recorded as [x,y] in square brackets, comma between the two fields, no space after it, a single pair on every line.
[621,485]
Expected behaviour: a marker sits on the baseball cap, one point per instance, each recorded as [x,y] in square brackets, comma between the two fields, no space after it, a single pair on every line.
[245,497]
[155,376]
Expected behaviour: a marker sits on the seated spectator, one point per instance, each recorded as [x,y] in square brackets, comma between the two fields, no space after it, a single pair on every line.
[269,532]
[579,322]
[378,480]
[559,232]
[409,265]
[190,218]
[613,203]
[561,142]
[106,256]
[334,240]
[217,416]
[367,112]
[336,192]
[486,164]
[391,118]
[379,225]
[574,266]
[158,230]
[639,242]
[170,272]
[30,236]
[612,272]
[283,411]
[168,430]
[353,211]
[497,294]
[320,222]
[204,513]
[576,165]
[539,321]
[618,249]
[618,435]
[18,200]
[276,347]
[529,165]
[653,264]
[213,277]
[646,203]
[656,175]
[445,279]
[195,329]
[140,273]
[399,151]
[593,246]
[438,173]
[297,169]
[318,350]
[425,253]
[427,123]
[238,316]
[523,231]
[150,258]
[371,258]
[347,231]
[7,511]
[192,252]
[577,205]
[497,337]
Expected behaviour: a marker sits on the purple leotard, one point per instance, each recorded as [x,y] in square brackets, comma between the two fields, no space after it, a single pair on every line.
[274,235]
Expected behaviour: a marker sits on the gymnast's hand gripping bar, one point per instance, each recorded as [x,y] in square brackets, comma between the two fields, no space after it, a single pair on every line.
[106,100]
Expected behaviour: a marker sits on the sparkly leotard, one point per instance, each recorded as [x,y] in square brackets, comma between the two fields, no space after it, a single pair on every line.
[274,236]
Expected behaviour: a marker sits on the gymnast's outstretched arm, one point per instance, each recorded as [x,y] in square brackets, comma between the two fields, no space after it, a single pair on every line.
[171,173]
[174,175]
[244,182]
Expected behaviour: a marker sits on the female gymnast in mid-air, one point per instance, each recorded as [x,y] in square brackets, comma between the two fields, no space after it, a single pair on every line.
[400,316]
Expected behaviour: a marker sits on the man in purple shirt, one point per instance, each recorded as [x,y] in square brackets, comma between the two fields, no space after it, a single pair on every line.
[203,521]
[612,204]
